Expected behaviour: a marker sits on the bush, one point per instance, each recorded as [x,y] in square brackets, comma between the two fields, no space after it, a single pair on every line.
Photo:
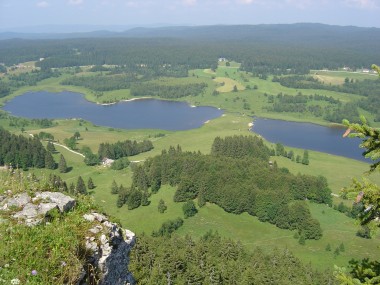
[189,209]
[168,227]
[120,164]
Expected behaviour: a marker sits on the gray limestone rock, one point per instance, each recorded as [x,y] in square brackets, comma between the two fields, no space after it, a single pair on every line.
[17,201]
[65,203]
[110,250]
[34,211]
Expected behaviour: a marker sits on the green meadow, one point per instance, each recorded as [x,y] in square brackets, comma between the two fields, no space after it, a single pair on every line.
[339,171]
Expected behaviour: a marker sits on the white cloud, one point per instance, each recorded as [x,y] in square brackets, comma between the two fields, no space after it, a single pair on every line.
[189,2]
[245,2]
[42,4]
[365,4]
[131,4]
[301,4]
[75,2]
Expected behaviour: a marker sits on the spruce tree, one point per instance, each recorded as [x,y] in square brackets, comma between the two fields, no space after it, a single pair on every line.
[114,188]
[134,199]
[49,161]
[50,147]
[72,188]
[189,209]
[62,166]
[305,159]
[81,187]
[144,198]
[90,184]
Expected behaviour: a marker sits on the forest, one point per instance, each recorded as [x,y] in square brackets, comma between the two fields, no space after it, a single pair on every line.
[369,89]
[22,152]
[123,148]
[236,176]
[217,260]
[166,91]
[262,49]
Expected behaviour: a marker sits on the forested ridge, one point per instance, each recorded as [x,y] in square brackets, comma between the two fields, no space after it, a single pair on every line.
[236,176]
[261,49]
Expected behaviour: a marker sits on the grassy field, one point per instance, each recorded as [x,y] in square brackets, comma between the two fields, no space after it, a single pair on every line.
[337,77]
[228,84]
[252,233]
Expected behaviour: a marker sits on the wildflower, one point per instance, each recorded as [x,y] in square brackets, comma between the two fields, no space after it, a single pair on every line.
[15,281]
[34,272]
[6,265]
[63,264]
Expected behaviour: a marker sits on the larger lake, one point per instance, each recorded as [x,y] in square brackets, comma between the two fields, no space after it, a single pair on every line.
[137,114]
[309,136]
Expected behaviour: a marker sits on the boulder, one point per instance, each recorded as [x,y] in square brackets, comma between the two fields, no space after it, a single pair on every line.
[65,203]
[34,211]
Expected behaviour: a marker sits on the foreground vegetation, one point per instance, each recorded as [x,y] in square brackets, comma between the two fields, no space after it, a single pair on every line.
[51,253]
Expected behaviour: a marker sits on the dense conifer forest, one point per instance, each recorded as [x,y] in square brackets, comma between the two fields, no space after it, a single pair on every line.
[216,260]
[238,177]
[22,152]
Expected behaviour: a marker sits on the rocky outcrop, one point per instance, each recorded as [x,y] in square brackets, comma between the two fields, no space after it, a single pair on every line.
[110,245]
[107,244]
[32,211]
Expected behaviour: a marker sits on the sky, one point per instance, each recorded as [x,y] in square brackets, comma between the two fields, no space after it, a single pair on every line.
[30,13]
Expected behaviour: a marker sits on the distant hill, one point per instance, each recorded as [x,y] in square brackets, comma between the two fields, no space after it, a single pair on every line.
[299,47]
[304,32]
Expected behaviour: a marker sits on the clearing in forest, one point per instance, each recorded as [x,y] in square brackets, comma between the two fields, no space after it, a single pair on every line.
[227,84]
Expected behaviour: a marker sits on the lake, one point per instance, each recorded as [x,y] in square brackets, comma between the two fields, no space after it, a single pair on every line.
[309,136]
[137,114]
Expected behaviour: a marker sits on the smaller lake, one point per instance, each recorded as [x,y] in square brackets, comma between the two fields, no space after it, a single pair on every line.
[309,136]
[137,114]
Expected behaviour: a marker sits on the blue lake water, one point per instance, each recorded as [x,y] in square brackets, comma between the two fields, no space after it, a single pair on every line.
[309,136]
[169,115]
[138,114]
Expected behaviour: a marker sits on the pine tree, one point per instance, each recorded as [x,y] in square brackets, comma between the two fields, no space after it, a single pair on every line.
[114,188]
[50,147]
[336,252]
[144,198]
[90,184]
[328,247]
[49,161]
[134,199]
[189,209]
[305,159]
[62,166]
[72,188]
[341,247]
[81,187]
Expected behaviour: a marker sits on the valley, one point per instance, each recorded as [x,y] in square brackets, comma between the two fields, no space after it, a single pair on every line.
[232,93]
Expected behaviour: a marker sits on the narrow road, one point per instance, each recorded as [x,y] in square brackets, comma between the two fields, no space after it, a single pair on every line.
[73,151]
